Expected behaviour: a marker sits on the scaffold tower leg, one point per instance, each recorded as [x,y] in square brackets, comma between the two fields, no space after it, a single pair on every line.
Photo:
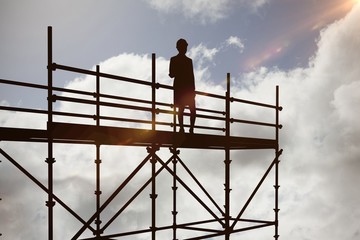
[227,194]
[175,153]
[153,159]
[50,160]
[0,200]
[50,203]
[277,186]
[227,160]
[277,161]
[98,191]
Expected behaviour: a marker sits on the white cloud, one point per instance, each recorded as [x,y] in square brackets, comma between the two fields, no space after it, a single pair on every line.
[202,55]
[235,41]
[346,98]
[203,10]
[320,135]
[320,164]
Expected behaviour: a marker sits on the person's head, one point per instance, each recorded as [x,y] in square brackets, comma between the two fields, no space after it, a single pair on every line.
[181,46]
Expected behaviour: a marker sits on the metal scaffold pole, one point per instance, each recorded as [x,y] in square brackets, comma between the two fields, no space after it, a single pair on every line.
[0,200]
[152,151]
[50,159]
[153,91]
[227,161]
[98,191]
[153,159]
[277,161]
[98,160]
[175,153]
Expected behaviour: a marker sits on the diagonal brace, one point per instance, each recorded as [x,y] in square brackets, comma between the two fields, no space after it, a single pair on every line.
[256,188]
[17,165]
[191,192]
[109,200]
[201,187]
[134,196]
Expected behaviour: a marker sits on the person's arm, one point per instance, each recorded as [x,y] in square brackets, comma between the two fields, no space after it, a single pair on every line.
[192,73]
[171,68]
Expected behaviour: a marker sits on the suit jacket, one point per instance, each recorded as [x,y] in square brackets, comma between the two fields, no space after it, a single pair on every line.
[181,69]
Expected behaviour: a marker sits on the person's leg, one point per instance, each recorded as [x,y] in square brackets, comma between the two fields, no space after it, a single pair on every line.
[181,118]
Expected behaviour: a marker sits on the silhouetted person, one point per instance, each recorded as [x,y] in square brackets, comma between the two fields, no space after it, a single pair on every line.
[181,69]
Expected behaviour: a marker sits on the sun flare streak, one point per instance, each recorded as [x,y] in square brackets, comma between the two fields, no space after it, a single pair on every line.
[279,46]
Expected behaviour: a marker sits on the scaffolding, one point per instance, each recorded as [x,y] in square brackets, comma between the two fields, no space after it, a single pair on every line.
[99,134]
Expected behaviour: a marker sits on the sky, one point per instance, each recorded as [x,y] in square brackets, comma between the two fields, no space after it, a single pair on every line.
[309,48]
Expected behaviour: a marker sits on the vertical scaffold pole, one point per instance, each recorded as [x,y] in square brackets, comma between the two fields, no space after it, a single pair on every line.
[97,95]
[0,200]
[227,161]
[50,159]
[153,194]
[98,191]
[153,89]
[98,160]
[153,159]
[276,186]
[175,153]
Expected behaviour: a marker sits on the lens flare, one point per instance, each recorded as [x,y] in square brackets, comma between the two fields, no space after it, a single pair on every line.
[277,47]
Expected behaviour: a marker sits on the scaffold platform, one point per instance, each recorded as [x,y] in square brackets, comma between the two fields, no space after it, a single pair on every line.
[104,135]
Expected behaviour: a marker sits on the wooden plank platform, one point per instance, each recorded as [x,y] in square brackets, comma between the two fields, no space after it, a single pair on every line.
[104,135]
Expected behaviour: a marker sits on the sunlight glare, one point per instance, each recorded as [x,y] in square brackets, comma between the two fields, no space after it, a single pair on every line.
[354,2]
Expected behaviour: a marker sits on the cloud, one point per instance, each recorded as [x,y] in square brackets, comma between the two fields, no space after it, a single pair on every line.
[202,56]
[202,10]
[319,167]
[320,134]
[236,42]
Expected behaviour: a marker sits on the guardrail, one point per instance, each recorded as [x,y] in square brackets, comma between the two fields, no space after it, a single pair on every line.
[152,107]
